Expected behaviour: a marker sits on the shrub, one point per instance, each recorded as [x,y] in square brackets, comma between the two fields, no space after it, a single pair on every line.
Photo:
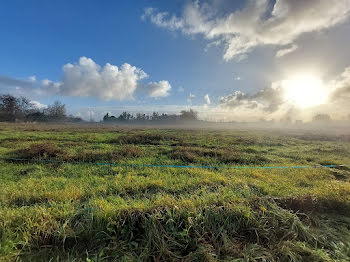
[129,151]
[40,151]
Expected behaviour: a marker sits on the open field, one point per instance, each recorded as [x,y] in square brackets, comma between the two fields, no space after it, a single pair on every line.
[85,212]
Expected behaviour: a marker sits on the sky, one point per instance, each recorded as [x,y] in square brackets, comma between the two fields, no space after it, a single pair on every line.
[229,60]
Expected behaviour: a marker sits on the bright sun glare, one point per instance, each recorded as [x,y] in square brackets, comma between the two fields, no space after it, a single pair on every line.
[305,91]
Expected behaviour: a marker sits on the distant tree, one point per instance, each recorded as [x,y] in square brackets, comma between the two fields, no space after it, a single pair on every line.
[141,117]
[106,117]
[74,119]
[14,108]
[56,111]
[155,116]
[37,116]
[125,116]
[321,118]
[189,115]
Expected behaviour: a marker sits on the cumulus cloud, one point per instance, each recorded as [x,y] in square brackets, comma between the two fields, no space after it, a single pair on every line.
[267,103]
[268,99]
[158,89]
[341,87]
[38,105]
[110,82]
[86,78]
[207,99]
[256,24]
[50,87]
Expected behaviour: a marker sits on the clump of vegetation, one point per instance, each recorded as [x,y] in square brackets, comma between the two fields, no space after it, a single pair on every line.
[148,139]
[49,150]
[94,155]
[129,151]
[40,151]
[225,156]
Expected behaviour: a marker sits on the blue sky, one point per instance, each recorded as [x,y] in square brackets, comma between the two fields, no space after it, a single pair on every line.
[40,37]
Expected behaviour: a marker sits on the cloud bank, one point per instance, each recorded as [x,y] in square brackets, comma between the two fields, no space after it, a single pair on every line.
[88,79]
[259,23]
[271,102]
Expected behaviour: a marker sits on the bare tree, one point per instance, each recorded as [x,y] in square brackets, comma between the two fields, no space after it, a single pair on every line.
[14,108]
[56,111]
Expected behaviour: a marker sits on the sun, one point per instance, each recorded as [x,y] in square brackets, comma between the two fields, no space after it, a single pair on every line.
[304,91]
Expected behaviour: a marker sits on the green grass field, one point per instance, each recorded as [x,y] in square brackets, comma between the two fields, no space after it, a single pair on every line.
[79,211]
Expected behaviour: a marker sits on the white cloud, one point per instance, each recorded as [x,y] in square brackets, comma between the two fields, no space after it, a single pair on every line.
[158,89]
[207,99]
[87,78]
[341,87]
[162,19]
[284,51]
[50,87]
[256,24]
[237,78]
[190,98]
[268,99]
[32,78]
[49,83]
[38,105]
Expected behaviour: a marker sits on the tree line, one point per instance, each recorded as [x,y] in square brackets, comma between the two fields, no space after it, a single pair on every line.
[185,115]
[21,109]
[18,109]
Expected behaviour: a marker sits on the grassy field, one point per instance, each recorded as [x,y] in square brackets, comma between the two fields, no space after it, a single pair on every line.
[78,211]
